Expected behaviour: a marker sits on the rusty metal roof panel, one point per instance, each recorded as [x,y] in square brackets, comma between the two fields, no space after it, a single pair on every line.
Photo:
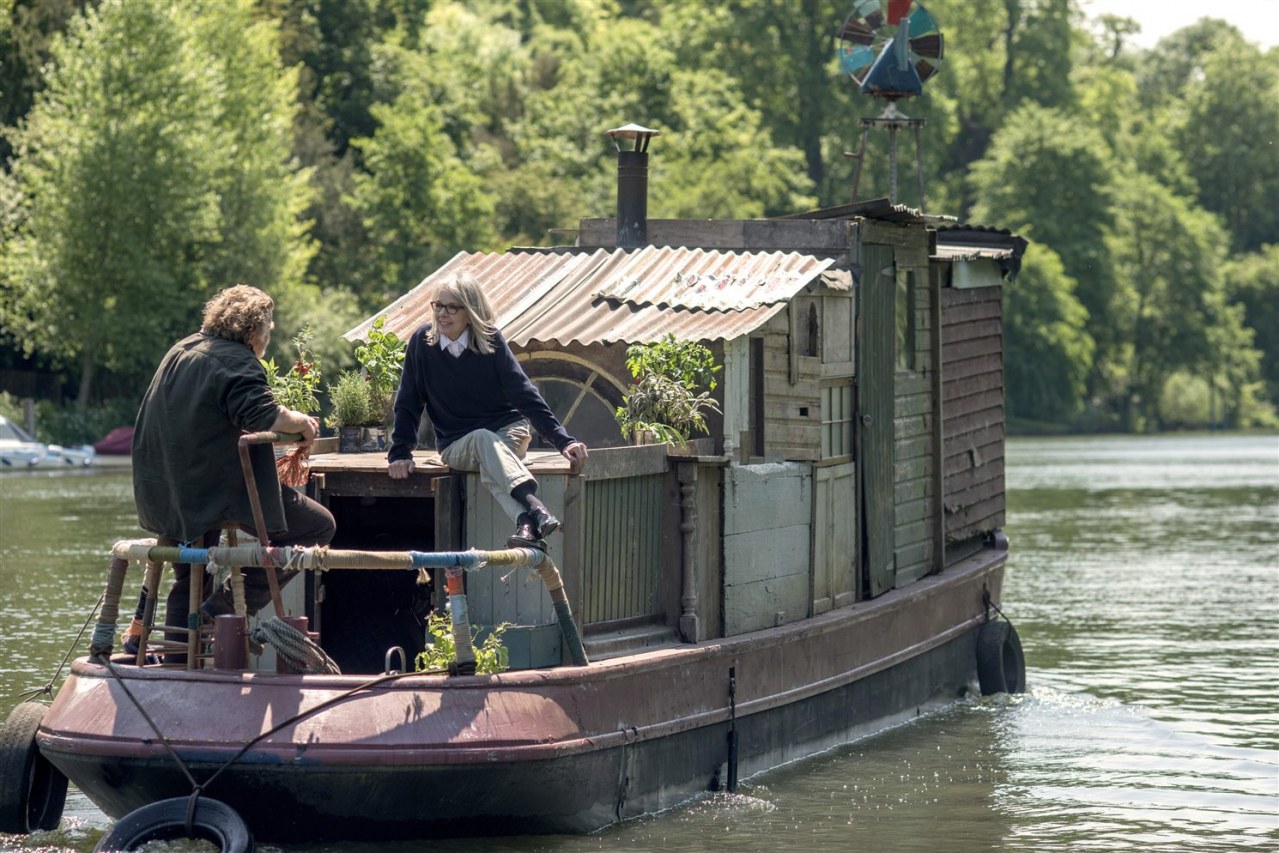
[618,295]
[707,280]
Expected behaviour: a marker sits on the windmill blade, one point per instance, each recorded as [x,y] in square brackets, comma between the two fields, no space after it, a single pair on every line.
[872,26]
[855,61]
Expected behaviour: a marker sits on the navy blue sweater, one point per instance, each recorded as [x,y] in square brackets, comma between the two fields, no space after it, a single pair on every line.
[465,393]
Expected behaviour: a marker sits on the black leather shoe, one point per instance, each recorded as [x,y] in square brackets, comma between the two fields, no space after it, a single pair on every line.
[546,523]
[525,535]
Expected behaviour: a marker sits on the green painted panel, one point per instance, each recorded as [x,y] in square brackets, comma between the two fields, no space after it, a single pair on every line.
[875,392]
[622,548]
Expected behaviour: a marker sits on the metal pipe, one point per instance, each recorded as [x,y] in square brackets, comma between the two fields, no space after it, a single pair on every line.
[255,503]
[632,199]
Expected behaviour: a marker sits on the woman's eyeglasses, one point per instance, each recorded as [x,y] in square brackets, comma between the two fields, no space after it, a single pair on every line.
[446,308]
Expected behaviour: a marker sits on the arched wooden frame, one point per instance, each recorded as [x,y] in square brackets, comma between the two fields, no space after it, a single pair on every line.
[589,383]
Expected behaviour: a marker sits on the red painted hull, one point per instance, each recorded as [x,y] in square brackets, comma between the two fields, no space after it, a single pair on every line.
[569,749]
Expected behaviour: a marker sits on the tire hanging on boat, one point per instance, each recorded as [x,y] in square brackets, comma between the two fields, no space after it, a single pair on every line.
[165,820]
[32,790]
[1001,667]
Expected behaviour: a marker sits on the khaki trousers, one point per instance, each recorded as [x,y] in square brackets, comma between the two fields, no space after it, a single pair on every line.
[497,456]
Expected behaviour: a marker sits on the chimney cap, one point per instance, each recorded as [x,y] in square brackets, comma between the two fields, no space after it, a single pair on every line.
[639,133]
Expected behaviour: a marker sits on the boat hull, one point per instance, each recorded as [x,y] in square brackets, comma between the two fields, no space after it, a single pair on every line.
[571,749]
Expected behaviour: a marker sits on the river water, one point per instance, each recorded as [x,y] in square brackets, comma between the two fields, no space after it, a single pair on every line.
[1143,580]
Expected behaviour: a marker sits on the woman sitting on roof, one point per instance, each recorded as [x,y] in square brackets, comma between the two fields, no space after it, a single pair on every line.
[480,403]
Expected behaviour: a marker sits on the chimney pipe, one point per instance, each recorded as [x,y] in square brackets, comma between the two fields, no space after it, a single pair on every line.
[632,185]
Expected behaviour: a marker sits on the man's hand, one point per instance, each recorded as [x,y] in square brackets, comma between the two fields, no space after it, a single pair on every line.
[288,420]
[400,469]
[575,452]
[310,429]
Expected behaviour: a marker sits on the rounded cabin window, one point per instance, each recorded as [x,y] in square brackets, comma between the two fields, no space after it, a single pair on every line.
[582,398]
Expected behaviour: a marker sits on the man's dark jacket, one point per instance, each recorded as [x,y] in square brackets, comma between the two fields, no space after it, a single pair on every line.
[186,464]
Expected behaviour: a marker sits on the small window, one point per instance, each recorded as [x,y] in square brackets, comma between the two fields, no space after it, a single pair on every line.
[905,310]
[813,341]
[837,420]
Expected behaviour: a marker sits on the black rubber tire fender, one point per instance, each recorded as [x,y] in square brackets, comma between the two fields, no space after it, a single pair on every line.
[32,791]
[165,820]
[1001,667]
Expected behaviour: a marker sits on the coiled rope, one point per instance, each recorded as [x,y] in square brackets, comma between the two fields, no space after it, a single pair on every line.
[294,647]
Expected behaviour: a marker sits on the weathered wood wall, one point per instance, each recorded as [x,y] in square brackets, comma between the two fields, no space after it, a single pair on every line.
[792,399]
[914,416]
[973,411]
[492,596]
[767,512]
[914,406]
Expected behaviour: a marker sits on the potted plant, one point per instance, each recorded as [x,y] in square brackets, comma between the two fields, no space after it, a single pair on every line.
[672,391]
[382,359]
[352,402]
[295,388]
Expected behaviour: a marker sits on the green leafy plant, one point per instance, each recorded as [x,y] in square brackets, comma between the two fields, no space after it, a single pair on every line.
[296,387]
[382,358]
[490,655]
[352,400]
[672,390]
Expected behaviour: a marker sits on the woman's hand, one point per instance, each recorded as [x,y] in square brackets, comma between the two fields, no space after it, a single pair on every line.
[400,469]
[575,452]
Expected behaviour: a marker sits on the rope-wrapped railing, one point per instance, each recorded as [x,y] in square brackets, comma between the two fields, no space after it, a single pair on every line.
[321,558]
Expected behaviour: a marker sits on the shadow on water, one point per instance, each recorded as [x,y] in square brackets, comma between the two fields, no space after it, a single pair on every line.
[1142,581]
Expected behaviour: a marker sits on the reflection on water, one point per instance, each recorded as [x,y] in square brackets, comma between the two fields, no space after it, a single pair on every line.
[1142,581]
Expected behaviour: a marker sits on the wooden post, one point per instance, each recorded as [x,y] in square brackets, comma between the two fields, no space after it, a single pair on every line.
[939,435]
[689,621]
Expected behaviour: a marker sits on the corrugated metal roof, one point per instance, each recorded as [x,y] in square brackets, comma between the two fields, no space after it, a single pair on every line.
[875,208]
[976,242]
[971,253]
[610,295]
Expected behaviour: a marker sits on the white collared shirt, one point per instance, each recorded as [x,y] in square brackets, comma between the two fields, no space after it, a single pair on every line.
[455,347]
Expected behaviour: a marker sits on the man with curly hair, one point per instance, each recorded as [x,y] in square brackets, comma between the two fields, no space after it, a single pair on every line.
[209,389]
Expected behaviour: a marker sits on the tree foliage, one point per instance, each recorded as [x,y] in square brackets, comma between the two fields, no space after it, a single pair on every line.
[336,151]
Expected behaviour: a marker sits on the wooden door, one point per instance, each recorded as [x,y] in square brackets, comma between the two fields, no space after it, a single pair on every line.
[876,358]
[834,536]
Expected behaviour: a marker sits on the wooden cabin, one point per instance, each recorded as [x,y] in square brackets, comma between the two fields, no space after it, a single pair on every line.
[860,446]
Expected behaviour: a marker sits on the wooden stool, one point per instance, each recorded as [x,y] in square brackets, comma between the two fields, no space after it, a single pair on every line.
[150,592]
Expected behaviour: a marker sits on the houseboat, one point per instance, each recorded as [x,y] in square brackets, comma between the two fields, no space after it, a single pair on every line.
[827,562]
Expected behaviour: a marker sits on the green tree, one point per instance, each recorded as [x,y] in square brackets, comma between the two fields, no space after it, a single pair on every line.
[420,202]
[1047,349]
[1168,68]
[130,210]
[1048,178]
[263,238]
[27,29]
[1252,281]
[1225,119]
[115,165]
[1171,304]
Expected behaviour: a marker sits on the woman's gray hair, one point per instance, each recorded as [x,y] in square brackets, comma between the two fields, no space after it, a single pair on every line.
[483,318]
[237,313]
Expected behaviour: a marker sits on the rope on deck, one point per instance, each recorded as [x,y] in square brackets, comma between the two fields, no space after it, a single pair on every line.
[321,558]
[296,648]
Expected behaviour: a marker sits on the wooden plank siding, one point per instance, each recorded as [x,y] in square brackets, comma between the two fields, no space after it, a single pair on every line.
[622,542]
[792,410]
[915,465]
[973,409]
[767,517]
